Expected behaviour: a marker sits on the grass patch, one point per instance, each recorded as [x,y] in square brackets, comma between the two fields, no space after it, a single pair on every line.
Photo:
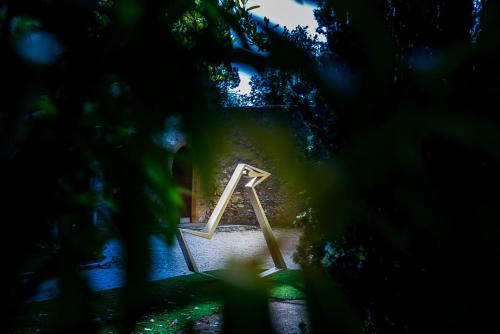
[169,304]
[287,284]
[171,321]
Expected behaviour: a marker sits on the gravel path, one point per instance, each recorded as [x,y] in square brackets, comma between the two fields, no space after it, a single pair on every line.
[167,261]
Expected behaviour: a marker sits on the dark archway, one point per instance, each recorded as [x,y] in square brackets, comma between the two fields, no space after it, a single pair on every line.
[182,171]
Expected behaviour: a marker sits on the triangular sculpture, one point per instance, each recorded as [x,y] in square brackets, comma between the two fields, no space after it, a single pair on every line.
[256,177]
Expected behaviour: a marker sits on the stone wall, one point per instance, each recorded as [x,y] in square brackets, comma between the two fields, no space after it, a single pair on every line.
[278,201]
[273,194]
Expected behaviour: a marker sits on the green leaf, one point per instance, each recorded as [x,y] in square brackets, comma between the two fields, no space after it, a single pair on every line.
[46,108]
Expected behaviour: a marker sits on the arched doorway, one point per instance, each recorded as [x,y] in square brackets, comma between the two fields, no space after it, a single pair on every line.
[182,171]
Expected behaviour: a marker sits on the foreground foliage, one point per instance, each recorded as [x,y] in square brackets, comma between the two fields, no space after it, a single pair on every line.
[401,176]
[174,303]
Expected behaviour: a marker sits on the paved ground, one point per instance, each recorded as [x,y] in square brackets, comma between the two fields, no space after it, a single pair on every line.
[167,261]
[289,316]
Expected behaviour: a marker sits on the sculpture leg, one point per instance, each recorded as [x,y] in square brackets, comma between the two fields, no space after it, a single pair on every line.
[272,244]
[187,254]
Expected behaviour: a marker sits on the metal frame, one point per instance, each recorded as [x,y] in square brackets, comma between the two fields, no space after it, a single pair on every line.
[257,176]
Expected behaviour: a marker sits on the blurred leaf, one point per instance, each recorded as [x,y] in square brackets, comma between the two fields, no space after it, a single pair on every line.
[39,48]
[46,108]
[129,12]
